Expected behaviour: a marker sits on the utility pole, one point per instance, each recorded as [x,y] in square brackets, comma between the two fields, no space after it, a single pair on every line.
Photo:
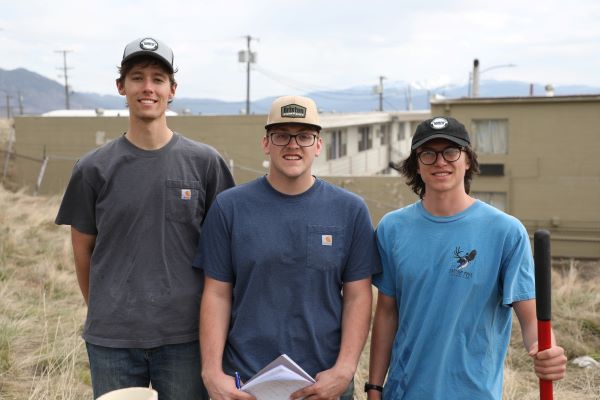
[20,97]
[475,79]
[65,75]
[248,57]
[8,106]
[381,78]
[378,89]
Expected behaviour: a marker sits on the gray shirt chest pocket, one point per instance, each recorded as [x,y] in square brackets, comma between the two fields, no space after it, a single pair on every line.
[184,201]
[325,247]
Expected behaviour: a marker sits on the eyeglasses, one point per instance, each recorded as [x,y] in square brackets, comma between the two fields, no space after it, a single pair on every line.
[303,139]
[450,154]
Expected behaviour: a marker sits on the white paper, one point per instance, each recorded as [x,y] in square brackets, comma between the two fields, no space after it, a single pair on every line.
[278,380]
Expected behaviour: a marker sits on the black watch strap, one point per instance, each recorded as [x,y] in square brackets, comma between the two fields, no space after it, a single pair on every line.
[370,386]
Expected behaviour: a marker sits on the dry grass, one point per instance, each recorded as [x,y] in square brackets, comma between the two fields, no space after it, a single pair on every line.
[42,355]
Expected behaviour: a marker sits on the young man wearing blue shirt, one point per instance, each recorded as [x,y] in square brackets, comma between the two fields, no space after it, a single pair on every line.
[288,260]
[453,270]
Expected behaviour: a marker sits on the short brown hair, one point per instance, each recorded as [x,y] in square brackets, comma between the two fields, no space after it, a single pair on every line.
[143,61]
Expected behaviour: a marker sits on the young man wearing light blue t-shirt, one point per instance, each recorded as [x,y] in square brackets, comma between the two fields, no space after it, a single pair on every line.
[453,268]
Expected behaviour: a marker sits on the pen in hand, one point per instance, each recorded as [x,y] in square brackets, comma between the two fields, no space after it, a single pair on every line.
[238,382]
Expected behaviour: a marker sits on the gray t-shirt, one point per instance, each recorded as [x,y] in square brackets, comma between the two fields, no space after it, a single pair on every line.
[146,209]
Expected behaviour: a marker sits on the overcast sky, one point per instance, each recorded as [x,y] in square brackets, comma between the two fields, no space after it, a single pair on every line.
[308,45]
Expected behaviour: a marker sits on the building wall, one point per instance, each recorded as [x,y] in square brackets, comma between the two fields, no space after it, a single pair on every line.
[65,139]
[396,128]
[356,162]
[381,193]
[238,138]
[551,170]
[552,167]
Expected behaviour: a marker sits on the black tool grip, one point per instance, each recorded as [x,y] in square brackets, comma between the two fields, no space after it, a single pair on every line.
[543,272]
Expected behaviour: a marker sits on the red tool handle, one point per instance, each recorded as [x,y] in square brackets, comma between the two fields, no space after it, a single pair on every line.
[545,342]
[542,258]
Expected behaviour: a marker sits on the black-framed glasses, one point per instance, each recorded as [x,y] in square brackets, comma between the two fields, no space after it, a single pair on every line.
[303,139]
[450,154]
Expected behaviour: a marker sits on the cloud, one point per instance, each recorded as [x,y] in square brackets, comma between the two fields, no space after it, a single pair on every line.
[331,44]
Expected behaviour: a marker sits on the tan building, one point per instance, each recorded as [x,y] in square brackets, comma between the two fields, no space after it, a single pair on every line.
[357,146]
[539,156]
[540,162]
[364,143]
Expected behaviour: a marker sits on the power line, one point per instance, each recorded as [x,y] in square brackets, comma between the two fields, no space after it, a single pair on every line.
[326,93]
[393,106]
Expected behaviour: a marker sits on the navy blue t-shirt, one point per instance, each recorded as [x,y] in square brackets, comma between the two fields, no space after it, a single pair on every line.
[287,258]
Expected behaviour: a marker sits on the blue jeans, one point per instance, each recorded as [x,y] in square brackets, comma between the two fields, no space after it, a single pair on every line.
[349,393]
[173,370]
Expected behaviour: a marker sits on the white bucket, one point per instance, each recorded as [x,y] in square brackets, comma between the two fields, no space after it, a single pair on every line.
[132,393]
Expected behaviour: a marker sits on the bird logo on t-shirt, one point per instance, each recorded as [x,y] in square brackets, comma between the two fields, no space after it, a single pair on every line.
[464,260]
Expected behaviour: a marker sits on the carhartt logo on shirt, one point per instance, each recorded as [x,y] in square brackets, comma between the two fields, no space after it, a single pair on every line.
[186,194]
[326,240]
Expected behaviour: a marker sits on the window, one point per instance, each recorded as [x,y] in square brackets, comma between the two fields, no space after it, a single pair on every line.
[384,135]
[491,169]
[490,136]
[401,131]
[335,143]
[366,138]
[496,199]
[100,138]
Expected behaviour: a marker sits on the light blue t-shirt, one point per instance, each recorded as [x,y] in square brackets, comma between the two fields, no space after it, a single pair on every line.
[287,258]
[454,279]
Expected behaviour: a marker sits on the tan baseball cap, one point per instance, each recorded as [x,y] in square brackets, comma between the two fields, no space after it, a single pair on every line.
[293,110]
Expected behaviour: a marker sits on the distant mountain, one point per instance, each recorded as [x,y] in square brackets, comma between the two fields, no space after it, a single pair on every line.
[31,93]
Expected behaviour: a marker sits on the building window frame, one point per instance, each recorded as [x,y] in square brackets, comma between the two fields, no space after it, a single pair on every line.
[494,199]
[365,135]
[490,136]
[336,144]
[385,134]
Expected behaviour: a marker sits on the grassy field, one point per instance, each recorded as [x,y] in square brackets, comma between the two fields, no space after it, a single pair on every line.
[42,355]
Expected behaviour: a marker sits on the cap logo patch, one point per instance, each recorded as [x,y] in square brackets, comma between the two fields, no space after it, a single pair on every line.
[293,111]
[439,123]
[148,44]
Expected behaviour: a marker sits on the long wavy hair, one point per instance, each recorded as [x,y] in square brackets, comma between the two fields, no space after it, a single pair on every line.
[410,166]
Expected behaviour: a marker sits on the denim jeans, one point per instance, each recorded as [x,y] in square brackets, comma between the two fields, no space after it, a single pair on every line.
[172,370]
[349,393]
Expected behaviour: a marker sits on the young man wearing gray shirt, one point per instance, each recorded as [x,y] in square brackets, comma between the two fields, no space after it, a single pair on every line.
[135,206]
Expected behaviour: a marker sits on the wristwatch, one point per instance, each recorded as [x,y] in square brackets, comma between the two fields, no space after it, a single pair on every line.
[370,386]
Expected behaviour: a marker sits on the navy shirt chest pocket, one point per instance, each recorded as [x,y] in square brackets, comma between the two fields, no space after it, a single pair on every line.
[325,247]
[184,201]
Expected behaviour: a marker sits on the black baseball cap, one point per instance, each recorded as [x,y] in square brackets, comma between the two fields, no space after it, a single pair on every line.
[150,47]
[440,128]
